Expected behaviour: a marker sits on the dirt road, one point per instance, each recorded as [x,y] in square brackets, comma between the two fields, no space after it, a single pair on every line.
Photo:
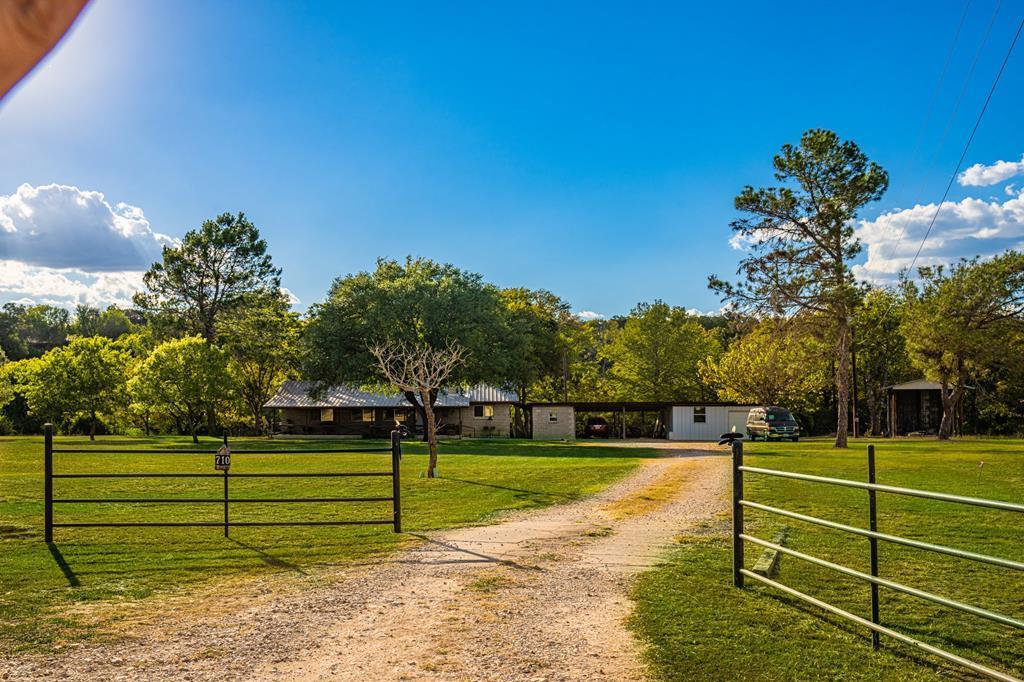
[539,596]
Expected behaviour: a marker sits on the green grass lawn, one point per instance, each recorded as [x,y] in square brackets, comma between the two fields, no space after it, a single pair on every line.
[46,592]
[700,627]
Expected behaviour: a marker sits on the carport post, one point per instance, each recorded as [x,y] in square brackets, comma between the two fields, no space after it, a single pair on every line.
[737,513]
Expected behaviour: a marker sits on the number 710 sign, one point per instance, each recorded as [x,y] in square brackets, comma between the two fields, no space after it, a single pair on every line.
[222,460]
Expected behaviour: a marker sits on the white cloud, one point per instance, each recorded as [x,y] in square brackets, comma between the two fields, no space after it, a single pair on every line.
[980,175]
[292,298]
[66,286]
[1010,191]
[63,227]
[965,228]
[740,242]
[589,315]
[63,246]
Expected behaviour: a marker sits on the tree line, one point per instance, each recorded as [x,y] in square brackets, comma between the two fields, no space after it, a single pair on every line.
[212,335]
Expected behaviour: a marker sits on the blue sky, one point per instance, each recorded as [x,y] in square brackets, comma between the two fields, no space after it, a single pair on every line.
[592,149]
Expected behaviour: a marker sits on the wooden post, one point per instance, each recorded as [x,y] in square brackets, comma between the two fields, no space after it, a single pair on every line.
[396,491]
[737,513]
[853,403]
[892,414]
[873,526]
[48,482]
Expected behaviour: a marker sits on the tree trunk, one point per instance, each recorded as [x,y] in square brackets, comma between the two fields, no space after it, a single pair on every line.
[875,413]
[950,400]
[92,426]
[211,421]
[257,421]
[842,383]
[195,436]
[411,397]
[519,415]
[430,431]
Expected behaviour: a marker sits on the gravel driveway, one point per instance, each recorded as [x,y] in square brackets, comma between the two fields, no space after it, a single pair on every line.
[539,596]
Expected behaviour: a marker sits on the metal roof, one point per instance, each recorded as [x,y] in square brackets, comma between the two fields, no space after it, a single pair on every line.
[632,405]
[298,394]
[917,385]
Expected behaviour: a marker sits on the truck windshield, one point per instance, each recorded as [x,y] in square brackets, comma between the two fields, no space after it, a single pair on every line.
[779,416]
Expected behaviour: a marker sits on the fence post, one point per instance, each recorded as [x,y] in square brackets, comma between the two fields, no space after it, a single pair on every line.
[737,513]
[396,458]
[48,482]
[225,491]
[873,526]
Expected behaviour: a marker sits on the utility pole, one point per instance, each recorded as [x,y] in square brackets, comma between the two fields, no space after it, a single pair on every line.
[853,364]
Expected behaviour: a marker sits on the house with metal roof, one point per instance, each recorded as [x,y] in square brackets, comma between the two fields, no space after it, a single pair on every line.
[305,408]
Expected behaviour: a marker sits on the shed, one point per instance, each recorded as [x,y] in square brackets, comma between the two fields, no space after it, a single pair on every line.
[916,407]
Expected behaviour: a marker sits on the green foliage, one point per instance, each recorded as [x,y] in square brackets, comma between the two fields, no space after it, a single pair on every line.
[584,372]
[801,241]
[183,378]
[656,355]
[85,378]
[6,380]
[210,274]
[536,317]
[262,341]
[775,364]
[111,323]
[882,358]
[416,302]
[962,322]
[30,331]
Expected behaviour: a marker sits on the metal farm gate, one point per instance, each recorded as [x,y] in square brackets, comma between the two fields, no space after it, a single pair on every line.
[739,537]
[222,462]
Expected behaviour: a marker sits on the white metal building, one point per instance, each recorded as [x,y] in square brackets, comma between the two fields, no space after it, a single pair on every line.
[706,422]
[686,421]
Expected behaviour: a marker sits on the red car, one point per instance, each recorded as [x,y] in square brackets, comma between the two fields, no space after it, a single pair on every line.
[596,427]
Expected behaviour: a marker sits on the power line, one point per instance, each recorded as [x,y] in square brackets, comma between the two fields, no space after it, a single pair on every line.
[894,249]
[967,146]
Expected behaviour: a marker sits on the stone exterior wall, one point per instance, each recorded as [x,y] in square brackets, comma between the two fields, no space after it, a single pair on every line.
[498,425]
[554,423]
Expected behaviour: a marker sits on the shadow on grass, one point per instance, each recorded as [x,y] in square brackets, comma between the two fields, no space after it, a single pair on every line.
[62,563]
[269,559]
[890,645]
[536,493]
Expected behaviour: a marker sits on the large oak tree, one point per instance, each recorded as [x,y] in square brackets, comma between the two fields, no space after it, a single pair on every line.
[421,304]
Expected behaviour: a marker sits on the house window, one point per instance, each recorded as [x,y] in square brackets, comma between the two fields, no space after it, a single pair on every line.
[400,416]
[553,417]
[362,415]
[367,415]
[483,411]
[389,415]
[700,415]
[327,414]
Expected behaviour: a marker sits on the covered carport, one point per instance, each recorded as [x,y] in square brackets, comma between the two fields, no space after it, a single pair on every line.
[626,419]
